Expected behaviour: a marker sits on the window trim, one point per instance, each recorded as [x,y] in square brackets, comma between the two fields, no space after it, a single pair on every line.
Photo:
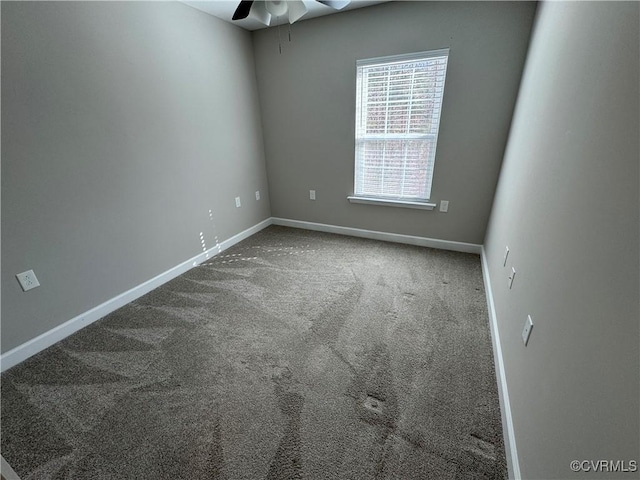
[424,204]
[402,58]
[391,202]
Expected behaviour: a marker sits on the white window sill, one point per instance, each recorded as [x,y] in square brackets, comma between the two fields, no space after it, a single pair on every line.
[392,203]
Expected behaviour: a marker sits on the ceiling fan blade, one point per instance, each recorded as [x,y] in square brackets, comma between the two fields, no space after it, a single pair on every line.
[243,10]
[337,4]
[297,9]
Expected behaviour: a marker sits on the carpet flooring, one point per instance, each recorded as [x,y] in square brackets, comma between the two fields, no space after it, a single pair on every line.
[292,355]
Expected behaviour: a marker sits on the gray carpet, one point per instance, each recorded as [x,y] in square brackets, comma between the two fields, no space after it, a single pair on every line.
[293,355]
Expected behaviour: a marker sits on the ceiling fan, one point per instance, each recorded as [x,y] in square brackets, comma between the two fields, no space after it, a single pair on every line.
[264,10]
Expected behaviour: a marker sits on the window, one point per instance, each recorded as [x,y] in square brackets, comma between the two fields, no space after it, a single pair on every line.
[398,105]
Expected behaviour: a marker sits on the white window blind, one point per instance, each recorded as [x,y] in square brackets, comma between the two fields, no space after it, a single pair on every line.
[398,105]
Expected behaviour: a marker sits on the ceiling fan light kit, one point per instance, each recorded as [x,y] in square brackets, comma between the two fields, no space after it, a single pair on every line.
[276,8]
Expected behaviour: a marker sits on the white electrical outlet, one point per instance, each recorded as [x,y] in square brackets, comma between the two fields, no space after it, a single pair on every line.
[444,206]
[511,277]
[28,280]
[526,331]
[257,194]
[238,204]
[312,194]
[506,255]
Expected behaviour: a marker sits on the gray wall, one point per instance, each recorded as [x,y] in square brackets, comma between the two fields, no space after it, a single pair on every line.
[307,96]
[123,124]
[567,205]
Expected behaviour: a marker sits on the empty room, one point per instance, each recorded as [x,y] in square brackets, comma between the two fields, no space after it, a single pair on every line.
[320,239]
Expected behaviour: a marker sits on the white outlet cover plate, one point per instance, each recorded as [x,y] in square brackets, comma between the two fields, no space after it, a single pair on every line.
[238,204]
[526,331]
[28,280]
[444,206]
[257,194]
[312,194]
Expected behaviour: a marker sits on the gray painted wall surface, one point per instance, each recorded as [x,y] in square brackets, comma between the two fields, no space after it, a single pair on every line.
[123,124]
[307,96]
[567,204]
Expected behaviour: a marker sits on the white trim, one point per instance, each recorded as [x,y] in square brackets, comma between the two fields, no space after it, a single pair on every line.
[39,343]
[46,339]
[387,202]
[7,471]
[376,71]
[384,236]
[503,392]
[403,57]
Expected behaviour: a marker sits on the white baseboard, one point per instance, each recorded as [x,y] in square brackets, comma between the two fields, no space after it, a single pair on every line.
[39,343]
[505,407]
[237,238]
[7,471]
[385,236]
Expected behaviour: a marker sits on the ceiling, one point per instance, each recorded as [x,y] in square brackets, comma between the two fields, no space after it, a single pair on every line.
[224,9]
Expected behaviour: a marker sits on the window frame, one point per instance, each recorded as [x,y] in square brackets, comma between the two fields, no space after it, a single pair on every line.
[401,201]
